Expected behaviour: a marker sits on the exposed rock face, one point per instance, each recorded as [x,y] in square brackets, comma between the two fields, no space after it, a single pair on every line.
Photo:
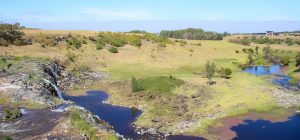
[31,79]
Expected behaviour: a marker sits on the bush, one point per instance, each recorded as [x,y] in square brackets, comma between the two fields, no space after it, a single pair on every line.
[3,42]
[210,70]
[293,80]
[100,45]
[71,56]
[135,86]
[181,42]
[162,45]
[289,41]
[225,72]
[18,43]
[11,114]
[285,60]
[297,59]
[74,42]
[135,41]
[9,33]
[113,50]
[92,39]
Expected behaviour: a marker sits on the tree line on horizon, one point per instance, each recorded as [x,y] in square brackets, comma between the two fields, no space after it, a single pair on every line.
[192,34]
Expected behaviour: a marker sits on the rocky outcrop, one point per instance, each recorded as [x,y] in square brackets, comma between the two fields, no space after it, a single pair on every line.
[31,79]
[286,98]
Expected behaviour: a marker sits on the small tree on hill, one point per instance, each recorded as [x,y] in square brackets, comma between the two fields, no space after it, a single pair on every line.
[210,71]
[256,50]
[267,53]
[250,59]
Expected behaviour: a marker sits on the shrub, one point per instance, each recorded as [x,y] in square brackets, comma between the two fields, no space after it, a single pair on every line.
[3,42]
[293,80]
[74,42]
[92,39]
[267,52]
[113,50]
[285,60]
[11,114]
[18,43]
[71,56]
[225,72]
[100,45]
[162,45]
[135,41]
[256,49]
[181,42]
[237,51]
[135,86]
[210,70]
[245,41]
[289,41]
[297,59]
[9,33]
[297,42]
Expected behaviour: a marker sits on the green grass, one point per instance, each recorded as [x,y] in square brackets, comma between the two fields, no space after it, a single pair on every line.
[160,84]
[81,124]
[3,63]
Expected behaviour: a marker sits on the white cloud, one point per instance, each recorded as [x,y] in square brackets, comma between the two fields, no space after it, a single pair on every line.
[108,14]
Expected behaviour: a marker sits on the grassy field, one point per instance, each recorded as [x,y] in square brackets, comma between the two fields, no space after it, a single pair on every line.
[240,94]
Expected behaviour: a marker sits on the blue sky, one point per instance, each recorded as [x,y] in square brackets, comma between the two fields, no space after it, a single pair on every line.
[122,15]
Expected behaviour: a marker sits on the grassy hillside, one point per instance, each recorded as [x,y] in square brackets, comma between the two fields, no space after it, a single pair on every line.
[192,100]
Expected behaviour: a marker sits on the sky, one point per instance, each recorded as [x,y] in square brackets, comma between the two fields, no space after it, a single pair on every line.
[154,15]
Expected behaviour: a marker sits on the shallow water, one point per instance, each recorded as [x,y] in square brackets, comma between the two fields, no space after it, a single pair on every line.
[120,118]
[280,79]
[263,70]
[266,130]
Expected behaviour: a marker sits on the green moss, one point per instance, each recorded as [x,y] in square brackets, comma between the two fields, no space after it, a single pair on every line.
[160,84]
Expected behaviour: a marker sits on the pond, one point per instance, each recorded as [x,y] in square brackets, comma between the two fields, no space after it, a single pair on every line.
[120,118]
[279,78]
[263,70]
[266,130]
